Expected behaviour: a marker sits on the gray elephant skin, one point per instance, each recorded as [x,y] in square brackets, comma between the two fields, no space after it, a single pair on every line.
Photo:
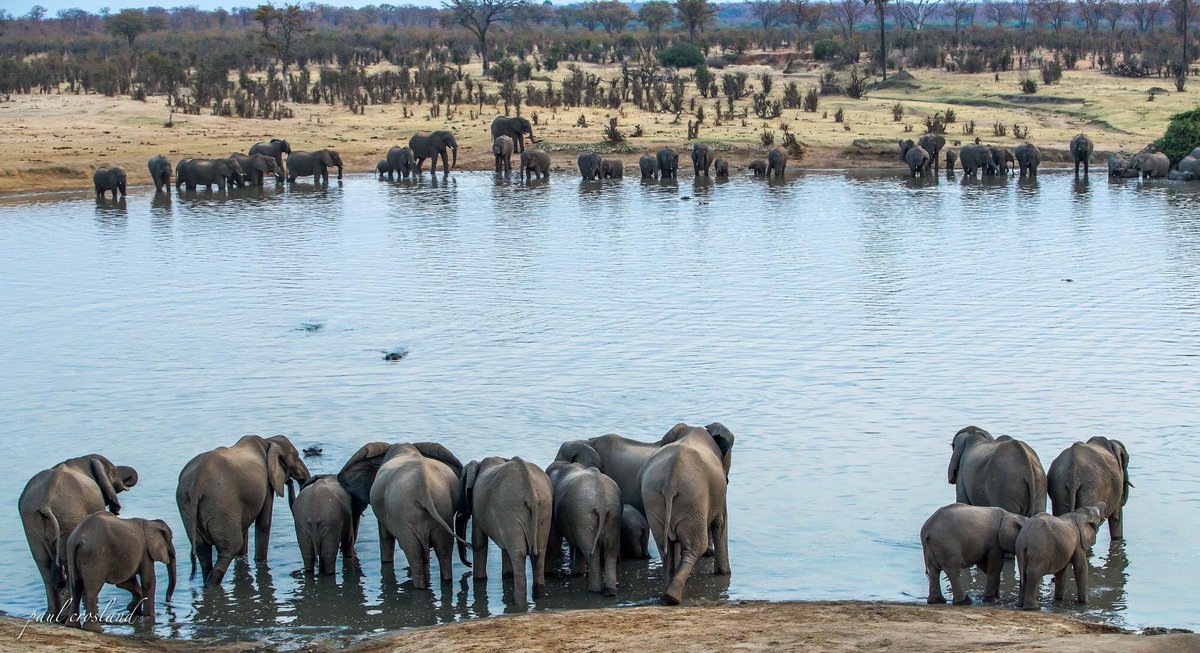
[758,167]
[221,173]
[382,168]
[951,158]
[683,488]
[668,162]
[649,166]
[933,144]
[635,534]
[957,537]
[587,513]
[400,161]
[589,165]
[1081,152]
[535,163]
[1092,473]
[975,158]
[701,158]
[1190,164]
[107,549]
[777,160]
[612,169]
[915,157]
[1000,472]
[109,179]
[415,491]
[431,145]
[1028,158]
[256,167]
[1121,167]
[1152,164]
[510,502]
[275,149]
[313,164]
[1047,544]
[223,491]
[53,503]
[515,128]
[160,172]
[1003,158]
[325,524]
[502,150]
[721,167]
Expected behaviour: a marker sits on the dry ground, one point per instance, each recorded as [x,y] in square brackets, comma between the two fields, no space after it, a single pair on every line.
[747,627]
[55,141]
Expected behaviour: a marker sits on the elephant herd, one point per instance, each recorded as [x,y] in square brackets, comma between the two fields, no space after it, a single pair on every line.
[604,497]
[664,164]
[1001,510]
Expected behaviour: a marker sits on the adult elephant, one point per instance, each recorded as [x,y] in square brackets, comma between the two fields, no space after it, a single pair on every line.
[431,145]
[535,162]
[933,144]
[975,158]
[1089,473]
[683,486]
[1081,152]
[648,164]
[587,513]
[275,149]
[668,162]
[109,178]
[589,165]
[1190,165]
[401,160]
[916,157]
[223,491]
[160,172]
[256,167]
[612,169]
[515,128]
[208,173]
[414,491]
[502,150]
[1151,164]
[315,164]
[701,158]
[53,503]
[1000,472]
[1028,157]
[777,160]
[1003,159]
[622,459]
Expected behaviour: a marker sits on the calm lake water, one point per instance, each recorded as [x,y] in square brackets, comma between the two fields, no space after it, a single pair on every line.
[843,325]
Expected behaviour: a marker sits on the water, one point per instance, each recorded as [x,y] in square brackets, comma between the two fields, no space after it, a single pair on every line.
[843,325]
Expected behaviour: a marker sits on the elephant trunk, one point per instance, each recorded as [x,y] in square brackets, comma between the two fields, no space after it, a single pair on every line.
[170,574]
[454,162]
[460,530]
[532,138]
[291,492]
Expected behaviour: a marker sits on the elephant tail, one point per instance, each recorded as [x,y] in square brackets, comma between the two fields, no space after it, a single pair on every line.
[52,542]
[601,517]
[426,503]
[531,544]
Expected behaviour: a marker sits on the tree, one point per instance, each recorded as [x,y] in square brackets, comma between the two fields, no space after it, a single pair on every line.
[694,14]
[880,7]
[1021,9]
[654,15]
[1057,12]
[803,14]
[960,12]
[847,13]
[997,11]
[280,30]
[5,18]
[916,12]
[614,15]
[478,15]
[1145,12]
[1114,11]
[768,13]
[129,23]
[36,13]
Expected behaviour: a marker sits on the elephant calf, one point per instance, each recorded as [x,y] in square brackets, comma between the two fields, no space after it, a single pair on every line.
[957,537]
[721,168]
[1152,164]
[635,534]
[758,167]
[1081,152]
[951,159]
[324,523]
[916,157]
[382,168]
[587,513]
[109,179]
[107,549]
[535,162]
[160,172]
[612,169]
[649,166]
[1095,472]
[502,149]
[1047,544]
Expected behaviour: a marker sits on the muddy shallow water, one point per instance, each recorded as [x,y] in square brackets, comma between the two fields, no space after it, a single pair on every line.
[842,325]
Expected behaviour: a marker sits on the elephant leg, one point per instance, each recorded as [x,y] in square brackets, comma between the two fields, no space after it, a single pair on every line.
[1080,566]
[420,161]
[577,562]
[329,554]
[538,561]
[204,553]
[995,564]
[594,570]
[416,559]
[262,532]
[443,548]
[935,585]
[720,542]
[506,568]
[1115,529]
[245,551]
[687,560]
[957,587]
[347,544]
[387,547]
[479,552]
[1060,583]
[610,570]
[92,599]
[515,560]
[148,582]
[134,588]
[308,553]
[75,595]
[224,559]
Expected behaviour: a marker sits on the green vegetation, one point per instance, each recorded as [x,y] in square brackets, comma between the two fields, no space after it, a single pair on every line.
[681,55]
[1182,135]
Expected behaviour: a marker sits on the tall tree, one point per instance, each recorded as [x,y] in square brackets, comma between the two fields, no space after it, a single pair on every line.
[478,16]
[614,15]
[1145,12]
[847,13]
[768,13]
[281,28]
[916,12]
[130,23]
[880,7]
[694,14]
[654,15]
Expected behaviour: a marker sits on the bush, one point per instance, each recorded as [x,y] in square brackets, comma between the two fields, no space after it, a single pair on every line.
[839,115]
[811,98]
[1183,134]
[951,116]
[1051,72]
[1029,85]
[897,112]
[792,97]
[681,55]
[826,49]
[856,84]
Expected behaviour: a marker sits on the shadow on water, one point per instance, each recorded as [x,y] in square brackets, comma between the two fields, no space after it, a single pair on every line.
[111,214]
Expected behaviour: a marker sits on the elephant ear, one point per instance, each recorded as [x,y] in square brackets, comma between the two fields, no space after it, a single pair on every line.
[358,474]
[579,451]
[722,436]
[276,468]
[158,541]
[674,433]
[441,454]
[1122,455]
[99,467]
[1010,527]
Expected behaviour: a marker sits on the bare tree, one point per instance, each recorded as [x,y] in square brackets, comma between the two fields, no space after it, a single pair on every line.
[478,16]
[916,12]
[1022,10]
[768,13]
[1091,12]
[1114,11]
[1056,12]
[1145,12]
[998,12]
[959,11]
[694,14]
[846,14]
[880,7]
[280,30]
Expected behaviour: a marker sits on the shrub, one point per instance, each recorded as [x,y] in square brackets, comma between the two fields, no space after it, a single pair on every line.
[1052,72]
[681,55]
[839,115]
[767,137]
[826,49]
[792,97]
[897,112]
[856,84]
[1029,85]
[1183,134]
[611,133]
[999,129]
[951,116]
[811,98]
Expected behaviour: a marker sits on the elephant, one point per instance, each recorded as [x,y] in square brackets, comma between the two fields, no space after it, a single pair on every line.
[1003,158]
[701,158]
[324,523]
[916,157]
[622,459]
[53,503]
[777,161]
[1091,473]
[382,168]
[107,549]
[316,164]
[256,167]
[635,534]
[1180,175]
[160,172]
[683,487]
[400,160]
[1000,472]
[957,537]
[502,149]
[1151,164]
[587,513]
[109,178]
[431,145]
[1028,158]
[1047,544]
[1121,167]
[612,169]
[951,158]
[1189,166]
[1081,152]
[974,158]
[208,172]
[223,491]
[512,503]
[758,167]
[668,162]
[649,166]
[515,128]
[535,162]
[721,167]
[933,144]
[415,492]
[589,165]
[274,149]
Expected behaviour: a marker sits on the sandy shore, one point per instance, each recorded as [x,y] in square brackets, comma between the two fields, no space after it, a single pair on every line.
[809,626]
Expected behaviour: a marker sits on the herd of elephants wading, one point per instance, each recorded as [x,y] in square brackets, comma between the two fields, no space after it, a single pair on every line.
[922,157]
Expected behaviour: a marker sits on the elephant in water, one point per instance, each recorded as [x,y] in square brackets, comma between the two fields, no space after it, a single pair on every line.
[160,172]
[668,162]
[1001,472]
[1190,165]
[53,503]
[721,167]
[382,168]
[589,165]
[1121,167]
[325,523]
[777,160]
[274,149]
[431,145]
[515,128]
[951,158]
[107,549]
[701,158]
[256,167]
[933,144]
[649,166]
[612,169]
[683,487]
[502,149]
[974,158]
[208,172]
[109,178]
[1090,473]
[1081,152]
[1047,544]
[635,534]
[1151,164]
[223,491]
[758,167]
[400,160]
[587,513]
[314,164]
[959,537]
[1028,157]
[1003,159]
[915,157]
[535,162]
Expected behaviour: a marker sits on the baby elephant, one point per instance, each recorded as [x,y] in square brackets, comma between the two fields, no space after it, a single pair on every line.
[382,168]
[758,167]
[635,534]
[721,167]
[959,536]
[587,513]
[1047,544]
[107,549]
[324,523]
[612,169]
